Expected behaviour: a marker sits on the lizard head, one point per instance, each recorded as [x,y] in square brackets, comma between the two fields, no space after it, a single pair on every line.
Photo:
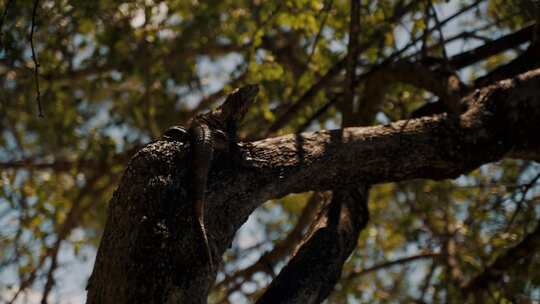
[238,102]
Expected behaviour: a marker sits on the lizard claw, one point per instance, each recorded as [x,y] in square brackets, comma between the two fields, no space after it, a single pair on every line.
[246,159]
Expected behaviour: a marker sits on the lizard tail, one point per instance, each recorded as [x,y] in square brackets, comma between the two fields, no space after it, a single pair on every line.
[206,243]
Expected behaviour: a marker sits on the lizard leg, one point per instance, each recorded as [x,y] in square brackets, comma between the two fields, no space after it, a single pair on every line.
[243,156]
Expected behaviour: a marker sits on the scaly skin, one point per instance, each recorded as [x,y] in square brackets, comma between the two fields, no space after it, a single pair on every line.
[202,143]
[208,133]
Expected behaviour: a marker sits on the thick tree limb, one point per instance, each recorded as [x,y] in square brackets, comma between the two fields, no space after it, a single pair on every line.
[149,235]
[492,48]
[530,59]
[526,61]
[312,273]
[282,249]
[441,83]
[460,137]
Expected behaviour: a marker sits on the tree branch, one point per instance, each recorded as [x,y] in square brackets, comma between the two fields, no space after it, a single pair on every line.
[377,267]
[323,81]
[61,165]
[150,232]
[2,19]
[492,48]
[312,273]
[516,258]
[34,58]
[282,249]
[456,62]
[530,59]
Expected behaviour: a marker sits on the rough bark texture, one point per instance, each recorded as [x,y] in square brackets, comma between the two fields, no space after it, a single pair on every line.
[315,269]
[150,251]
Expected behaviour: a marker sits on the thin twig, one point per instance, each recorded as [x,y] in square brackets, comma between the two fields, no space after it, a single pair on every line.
[463,35]
[324,11]
[260,24]
[517,258]
[391,58]
[400,261]
[519,204]
[427,16]
[49,284]
[427,280]
[65,229]
[338,67]
[353,53]
[207,101]
[35,59]
[322,82]
[4,14]
[77,210]
[438,26]
[317,114]
[281,250]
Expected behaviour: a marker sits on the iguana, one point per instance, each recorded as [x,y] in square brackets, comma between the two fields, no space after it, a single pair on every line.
[208,133]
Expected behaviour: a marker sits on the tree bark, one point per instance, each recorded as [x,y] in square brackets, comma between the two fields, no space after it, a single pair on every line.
[314,270]
[151,249]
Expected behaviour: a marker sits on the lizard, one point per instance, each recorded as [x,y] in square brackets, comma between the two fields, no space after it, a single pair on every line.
[208,133]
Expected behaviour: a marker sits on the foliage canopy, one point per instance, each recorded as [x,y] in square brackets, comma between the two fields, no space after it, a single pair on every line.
[114,75]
